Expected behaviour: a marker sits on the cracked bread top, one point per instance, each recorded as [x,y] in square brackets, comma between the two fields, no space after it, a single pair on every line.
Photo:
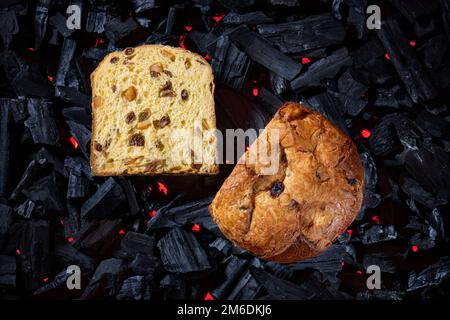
[313,197]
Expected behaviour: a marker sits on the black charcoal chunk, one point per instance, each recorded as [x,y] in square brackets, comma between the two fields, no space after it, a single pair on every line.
[42,123]
[352,94]
[435,51]
[414,9]
[234,269]
[102,204]
[357,19]
[106,280]
[142,5]
[97,237]
[82,135]
[431,275]
[137,243]
[96,20]
[230,65]
[205,41]
[132,289]
[434,125]
[7,272]
[262,52]
[72,221]
[377,233]
[383,140]
[182,253]
[17,107]
[40,21]
[6,218]
[145,265]
[5,146]
[26,209]
[393,98]
[387,256]
[406,62]
[255,17]
[96,54]
[59,22]
[247,287]
[174,287]
[269,101]
[419,194]
[309,33]
[77,165]
[322,69]
[55,285]
[383,295]
[35,170]
[67,54]
[278,84]
[222,245]
[116,29]
[67,255]
[78,186]
[49,191]
[130,193]
[329,107]
[237,4]
[8,26]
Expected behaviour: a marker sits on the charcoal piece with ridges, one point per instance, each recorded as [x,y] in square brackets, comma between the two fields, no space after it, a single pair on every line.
[262,52]
[309,33]
[17,107]
[433,124]
[25,209]
[5,146]
[431,275]
[323,69]
[173,287]
[389,257]
[247,287]
[435,51]
[8,26]
[97,237]
[82,135]
[7,272]
[413,9]
[142,5]
[329,107]
[42,123]
[59,22]
[77,165]
[233,270]
[96,54]
[379,295]
[78,115]
[67,255]
[145,265]
[73,96]
[351,93]
[49,191]
[132,289]
[137,243]
[182,253]
[40,21]
[256,17]
[103,202]
[6,218]
[96,20]
[383,140]
[71,221]
[393,98]
[34,171]
[78,186]
[116,29]
[278,84]
[230,65]
[412,188]
[376,233]
[406,62]
[106,280]
[130,193]
[67,54]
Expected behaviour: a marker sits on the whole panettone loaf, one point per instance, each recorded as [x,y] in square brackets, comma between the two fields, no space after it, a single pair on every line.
[313,196]
[147,103]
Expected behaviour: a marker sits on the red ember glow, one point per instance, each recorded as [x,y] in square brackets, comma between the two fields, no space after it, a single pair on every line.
[152,213]
[181,41]
[376,219]
[359,272]
[196,228]
[350,232]
[207,57]
[121,232]
[50,78]
[387,56]
[45,279]
[366,133]
[162,188]
[73,142]
[414,248]
[255,91]
[70,239]
[18,251]
[218,17]
[31,49]
[188,28]
[412,43]
[305,60]
[208,296]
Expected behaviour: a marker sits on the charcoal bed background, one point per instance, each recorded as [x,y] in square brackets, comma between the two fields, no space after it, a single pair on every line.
[152,237]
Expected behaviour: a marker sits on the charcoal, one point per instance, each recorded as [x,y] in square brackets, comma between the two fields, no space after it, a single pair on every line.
[102,204]
[434,125]
[132,289]
[278,84]
[236,4]
[142,5]
[59,22]
[71,221]
[222,245]
[269,101]
[182,253]
[96,20]
[435,51]
[323,69]
[235,267]
[205,41]
[67,255]
[175,19]
[82,135]
[5,146]
[250,18]
[329,107]
[379,295]
[144,264]
[51,158]
[173,287]
[7,272]
[77,165]
[260,51]
[383,140]
[67,53]
[78,186]
[352,94]
[357,19]
[415,190]
[48,191]
[195,212]
[6,218]
[40,21]
[130,193]
[106,280]
[35,170]
[17,107]
[26,209]
[435,219]
[34,259]
[428,166]
[387,256]
[96,238]
[414,9]
[431,275]
[247,287]
[424,236]
[309,33]
[393,98]
[96,54]
[116,29]
[137,243]
[376,233]
[41,122]
[8,26]
[230,65]
[405,61]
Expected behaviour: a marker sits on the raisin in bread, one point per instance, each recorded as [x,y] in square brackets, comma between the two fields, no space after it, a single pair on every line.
[148,104]
[312,197]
